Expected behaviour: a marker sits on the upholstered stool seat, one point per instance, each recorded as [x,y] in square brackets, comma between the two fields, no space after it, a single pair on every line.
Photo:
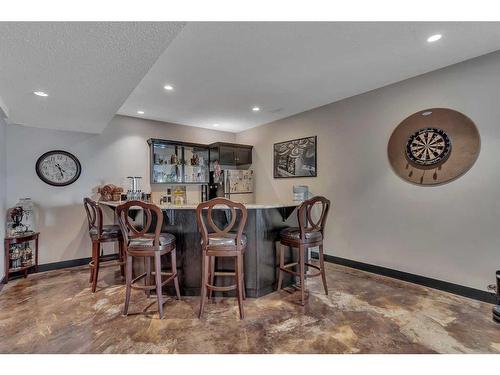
[148,240]
[229,240]
[108,232]
[293,234]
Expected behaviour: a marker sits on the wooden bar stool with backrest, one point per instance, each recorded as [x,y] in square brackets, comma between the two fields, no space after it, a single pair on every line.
[99,234]
[310,233]
[138,243]
[217,242]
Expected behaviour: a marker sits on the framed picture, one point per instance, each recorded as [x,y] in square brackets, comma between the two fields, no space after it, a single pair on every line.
[296,158]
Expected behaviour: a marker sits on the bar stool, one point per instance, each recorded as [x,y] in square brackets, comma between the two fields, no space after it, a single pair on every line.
[222,243]
[309,234]
[140,244]
[99,234]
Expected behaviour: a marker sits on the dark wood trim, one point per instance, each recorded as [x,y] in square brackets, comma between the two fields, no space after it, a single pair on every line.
[446,286]
[72,263]
[2,283]
[177,143]
[228,144]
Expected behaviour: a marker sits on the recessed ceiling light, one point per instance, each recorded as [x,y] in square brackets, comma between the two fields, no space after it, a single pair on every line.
[168,87]
[140,112]
[40,93]
[215,125]
[434,38]
[256,109]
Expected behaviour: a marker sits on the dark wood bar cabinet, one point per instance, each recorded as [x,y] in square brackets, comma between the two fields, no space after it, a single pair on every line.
[17,240]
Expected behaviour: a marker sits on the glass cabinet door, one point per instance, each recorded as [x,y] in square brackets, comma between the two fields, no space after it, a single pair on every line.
[174,163]
[195,164]
[165,163]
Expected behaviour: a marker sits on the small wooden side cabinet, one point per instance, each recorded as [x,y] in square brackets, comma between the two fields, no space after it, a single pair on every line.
[17,240]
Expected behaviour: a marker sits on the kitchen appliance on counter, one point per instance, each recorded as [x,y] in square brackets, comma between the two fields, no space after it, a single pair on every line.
[134,192]
[234,184]
[300,193]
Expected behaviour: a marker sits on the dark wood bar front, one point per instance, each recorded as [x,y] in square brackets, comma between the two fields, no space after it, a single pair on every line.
[263,227]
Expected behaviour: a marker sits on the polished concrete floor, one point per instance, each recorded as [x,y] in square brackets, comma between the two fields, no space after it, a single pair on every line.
[55,312]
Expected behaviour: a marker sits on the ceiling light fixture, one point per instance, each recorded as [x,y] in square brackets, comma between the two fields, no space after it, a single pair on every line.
[168,87]
[256,109]
[216,125]
[434,38]
[140,112]
[40,93]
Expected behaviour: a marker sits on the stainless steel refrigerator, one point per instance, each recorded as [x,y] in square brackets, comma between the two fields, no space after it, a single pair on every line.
[234,184]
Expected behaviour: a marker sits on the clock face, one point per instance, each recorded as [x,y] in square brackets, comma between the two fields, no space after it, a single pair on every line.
[428,147]
[58,168]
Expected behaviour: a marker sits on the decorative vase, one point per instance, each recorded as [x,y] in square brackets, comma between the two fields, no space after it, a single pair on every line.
[28,221]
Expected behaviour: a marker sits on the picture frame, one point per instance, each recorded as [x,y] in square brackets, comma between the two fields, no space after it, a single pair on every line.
[296,158]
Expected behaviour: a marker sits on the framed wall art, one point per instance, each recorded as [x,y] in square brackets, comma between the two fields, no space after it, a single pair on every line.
[296,158]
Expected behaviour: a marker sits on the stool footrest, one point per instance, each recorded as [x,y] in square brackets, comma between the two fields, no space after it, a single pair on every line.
[290,271]
[138,278]
[224,273]
[167,280]
[313,266]
[151,287]
[306,275]
[221,288]
[143,287]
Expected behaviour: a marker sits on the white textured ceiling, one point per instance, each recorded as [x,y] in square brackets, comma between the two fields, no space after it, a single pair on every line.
[88,69]
[220,70]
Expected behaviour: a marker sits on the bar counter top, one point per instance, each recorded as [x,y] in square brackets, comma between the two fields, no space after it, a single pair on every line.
[250,206]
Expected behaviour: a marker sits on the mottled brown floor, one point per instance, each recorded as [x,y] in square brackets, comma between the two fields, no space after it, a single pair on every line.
[55,312]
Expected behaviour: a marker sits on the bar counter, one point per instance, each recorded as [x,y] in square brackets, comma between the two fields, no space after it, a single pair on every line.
[264,223]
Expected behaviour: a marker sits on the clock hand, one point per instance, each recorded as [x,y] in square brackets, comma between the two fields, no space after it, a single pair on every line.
[60,170]
[59,166]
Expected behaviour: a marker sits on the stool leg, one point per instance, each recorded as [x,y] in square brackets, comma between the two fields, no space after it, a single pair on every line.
[322,266]
[173,259]
[302,275]
[204,281]
[147,279]
[158,283]
[91,264]
[243,276]
[128,283]
[239,283]
[282,264]
[95,252]
[212,275]
[121,257]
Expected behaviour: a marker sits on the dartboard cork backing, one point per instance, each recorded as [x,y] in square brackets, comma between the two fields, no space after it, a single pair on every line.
[433,146]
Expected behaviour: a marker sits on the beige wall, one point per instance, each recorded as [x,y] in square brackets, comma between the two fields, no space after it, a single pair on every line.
[448,232]
[120,151]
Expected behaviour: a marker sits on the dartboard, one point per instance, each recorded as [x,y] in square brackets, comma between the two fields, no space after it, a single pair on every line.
[428,146]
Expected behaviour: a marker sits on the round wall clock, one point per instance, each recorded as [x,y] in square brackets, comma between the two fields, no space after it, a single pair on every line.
[58,168]
[433,146]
